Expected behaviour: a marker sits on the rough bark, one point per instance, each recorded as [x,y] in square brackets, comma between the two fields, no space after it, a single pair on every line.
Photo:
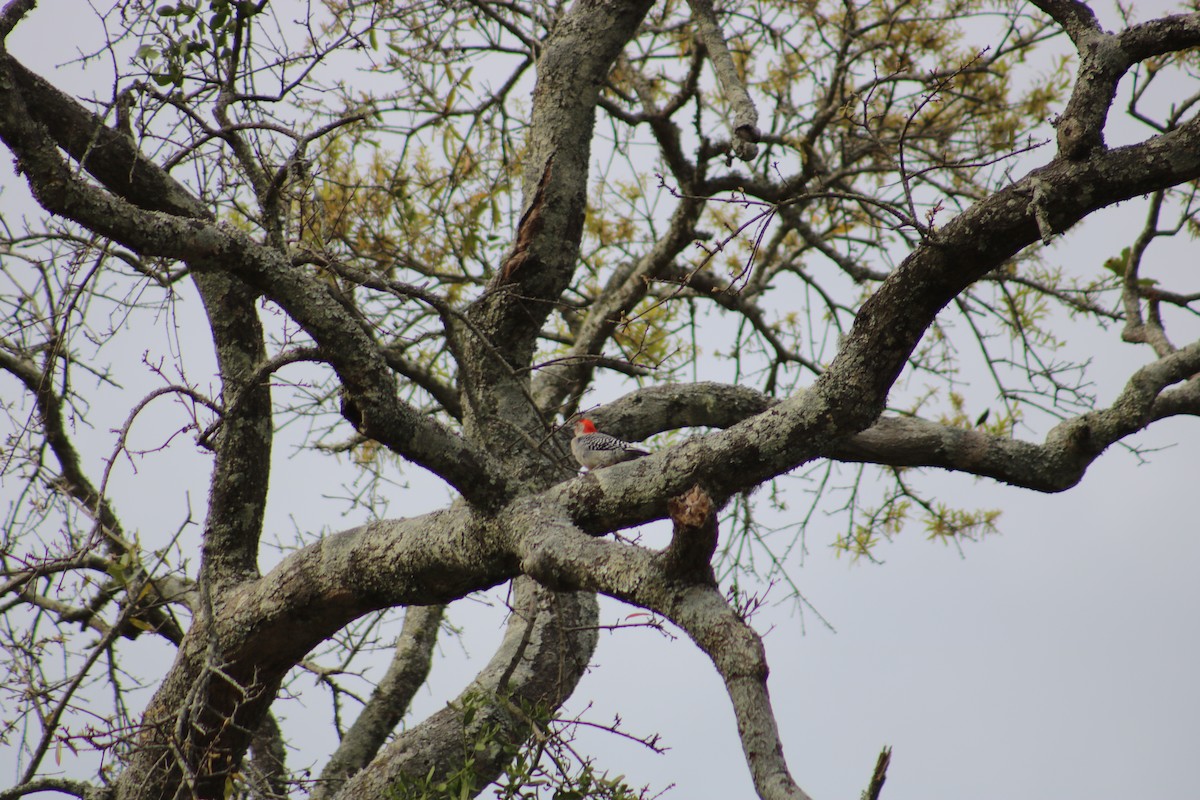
[546,648]
[522,515]
[389,701]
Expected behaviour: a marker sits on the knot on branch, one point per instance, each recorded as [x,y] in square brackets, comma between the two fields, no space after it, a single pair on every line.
[1039,204]
[694,539]
[1076,139]
[745,142]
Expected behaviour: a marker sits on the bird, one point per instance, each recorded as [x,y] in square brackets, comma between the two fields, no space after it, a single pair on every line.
[595,450]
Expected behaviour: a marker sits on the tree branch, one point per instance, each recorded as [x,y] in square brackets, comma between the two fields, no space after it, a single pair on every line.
[1074,17]
[76,484]
[80,789]
[12,14]
[352,351]
[745,115]
[546,648]
[237,500]
[1104,59]
[389,701]
[694,537]
[267,626]
[1053,466]
[1157,37]
[559,556]
[573,66]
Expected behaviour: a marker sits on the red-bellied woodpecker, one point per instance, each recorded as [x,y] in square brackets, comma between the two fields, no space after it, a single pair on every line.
[595,450]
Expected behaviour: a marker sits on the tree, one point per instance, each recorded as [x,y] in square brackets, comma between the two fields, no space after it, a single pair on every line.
[404,262]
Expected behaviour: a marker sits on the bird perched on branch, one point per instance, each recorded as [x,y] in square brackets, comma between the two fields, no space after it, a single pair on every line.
[595,450]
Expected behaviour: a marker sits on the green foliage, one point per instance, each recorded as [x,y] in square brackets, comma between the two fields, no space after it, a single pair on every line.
[946,524]
[879,524]
[187,33]
[940,521]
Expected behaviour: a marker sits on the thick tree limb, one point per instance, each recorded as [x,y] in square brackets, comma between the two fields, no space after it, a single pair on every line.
[263,628]
[508,318]
[108,155]
[1104,59]
[1076,18]
[80,789]
[1053,466]
[237,500]
[647,411]
[738,654]
[1160,36]
[389,701]
[12,14]
[546,648]
[267,768]
[573,66]
[693,538]
[559,556]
